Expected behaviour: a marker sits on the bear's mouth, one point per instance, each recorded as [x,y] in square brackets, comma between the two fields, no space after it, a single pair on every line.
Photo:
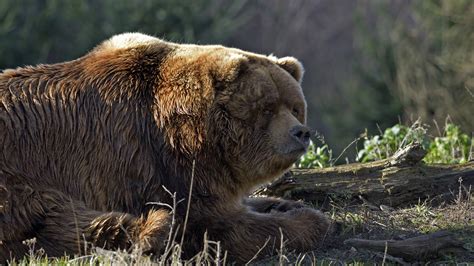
[292,154]
[292,150]
[298,152]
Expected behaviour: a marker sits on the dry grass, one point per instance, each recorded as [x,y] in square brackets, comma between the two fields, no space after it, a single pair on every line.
[357,219]
[361,220]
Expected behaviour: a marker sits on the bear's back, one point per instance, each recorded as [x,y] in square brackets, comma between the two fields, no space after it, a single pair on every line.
[59,128]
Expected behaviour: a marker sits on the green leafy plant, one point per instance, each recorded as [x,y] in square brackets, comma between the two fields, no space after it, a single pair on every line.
[394,138]
[454,147]
[316,157]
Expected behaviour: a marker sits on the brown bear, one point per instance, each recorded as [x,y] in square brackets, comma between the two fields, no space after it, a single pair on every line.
[89,146]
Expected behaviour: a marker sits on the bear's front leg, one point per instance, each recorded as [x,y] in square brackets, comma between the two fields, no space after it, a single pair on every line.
[268,204]
[246,234]
[61,226]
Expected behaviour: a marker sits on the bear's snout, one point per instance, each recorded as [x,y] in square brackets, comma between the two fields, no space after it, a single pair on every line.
[301,134]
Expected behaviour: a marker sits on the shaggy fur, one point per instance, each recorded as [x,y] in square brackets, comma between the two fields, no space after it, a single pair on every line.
[86,144]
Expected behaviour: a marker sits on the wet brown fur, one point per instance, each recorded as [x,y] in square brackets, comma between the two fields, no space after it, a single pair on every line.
[88,144]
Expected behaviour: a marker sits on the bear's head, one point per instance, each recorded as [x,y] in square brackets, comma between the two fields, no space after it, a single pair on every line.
[246,109]
[259,118]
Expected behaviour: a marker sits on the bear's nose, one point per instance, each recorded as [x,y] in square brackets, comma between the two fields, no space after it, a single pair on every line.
[301,134]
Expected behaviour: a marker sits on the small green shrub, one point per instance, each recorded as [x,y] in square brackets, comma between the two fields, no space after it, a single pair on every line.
[453,146]
[394,138]
[316,157]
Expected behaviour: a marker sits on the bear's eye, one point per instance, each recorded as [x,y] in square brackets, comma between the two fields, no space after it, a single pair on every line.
[295,112]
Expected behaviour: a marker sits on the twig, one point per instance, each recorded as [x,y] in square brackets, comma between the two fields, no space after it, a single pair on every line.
[385,253]
[189,203]
[347,147]
[258,252]
[173,221]
[281,256]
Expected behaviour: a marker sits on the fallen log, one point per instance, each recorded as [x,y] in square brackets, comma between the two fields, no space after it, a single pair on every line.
[398,181]
[419,248]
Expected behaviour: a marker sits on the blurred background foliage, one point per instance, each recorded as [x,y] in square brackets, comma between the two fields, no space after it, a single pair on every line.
[46,31]
[414,61]
[369,64]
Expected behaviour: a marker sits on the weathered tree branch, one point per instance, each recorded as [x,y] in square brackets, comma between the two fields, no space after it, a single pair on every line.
[397,181]
[413,249]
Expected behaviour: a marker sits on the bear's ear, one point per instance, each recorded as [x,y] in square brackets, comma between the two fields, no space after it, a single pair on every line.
[292,66]
[228,66]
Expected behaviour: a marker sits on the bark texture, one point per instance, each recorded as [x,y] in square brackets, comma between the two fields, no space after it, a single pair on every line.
[398,181]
